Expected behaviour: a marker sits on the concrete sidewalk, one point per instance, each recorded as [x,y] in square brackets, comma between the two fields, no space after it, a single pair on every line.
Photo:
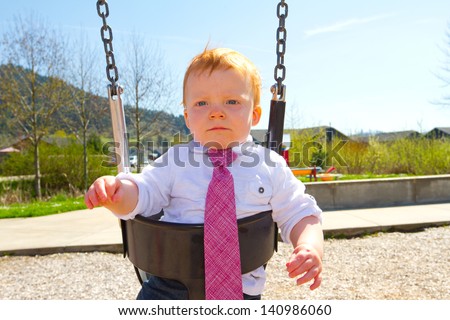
[99,230]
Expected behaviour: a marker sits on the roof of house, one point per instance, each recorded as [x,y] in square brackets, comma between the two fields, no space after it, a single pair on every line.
[260,134]
[444,130]
[320,130]
[9,150]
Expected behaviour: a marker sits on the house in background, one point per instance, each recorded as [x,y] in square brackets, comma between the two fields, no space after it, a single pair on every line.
[5,152]
[314,132]
[259,137]
[321,136]
[328,132]
[21,144]
[439,133]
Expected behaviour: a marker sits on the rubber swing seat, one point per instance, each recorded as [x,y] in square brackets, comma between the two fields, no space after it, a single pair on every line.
[175,251]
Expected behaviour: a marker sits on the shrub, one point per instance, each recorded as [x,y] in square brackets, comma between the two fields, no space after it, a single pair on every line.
[61,171]
[419,156]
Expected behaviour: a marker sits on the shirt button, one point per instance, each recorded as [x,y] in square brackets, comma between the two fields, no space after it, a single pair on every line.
[261,190]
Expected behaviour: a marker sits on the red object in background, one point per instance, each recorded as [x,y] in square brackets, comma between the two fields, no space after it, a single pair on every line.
[330,170]
[286,156]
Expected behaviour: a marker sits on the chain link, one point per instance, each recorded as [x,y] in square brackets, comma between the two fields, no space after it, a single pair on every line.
[280,69]
[106,33]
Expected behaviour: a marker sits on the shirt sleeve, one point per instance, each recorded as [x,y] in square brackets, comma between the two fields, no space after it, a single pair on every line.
[289,202]
[154,185]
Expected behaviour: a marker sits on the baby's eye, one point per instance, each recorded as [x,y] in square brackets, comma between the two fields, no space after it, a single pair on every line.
[201,103]
[232,101]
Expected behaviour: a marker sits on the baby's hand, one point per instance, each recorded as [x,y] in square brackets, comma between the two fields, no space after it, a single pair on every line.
[102,192]
[305,261]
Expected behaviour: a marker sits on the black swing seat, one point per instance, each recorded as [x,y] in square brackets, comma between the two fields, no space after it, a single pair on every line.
[175,251]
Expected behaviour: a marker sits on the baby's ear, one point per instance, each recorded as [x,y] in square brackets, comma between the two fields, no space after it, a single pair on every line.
[256,115]
[186,119]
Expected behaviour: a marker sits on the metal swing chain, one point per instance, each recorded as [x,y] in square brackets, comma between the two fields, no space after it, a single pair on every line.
[278,89]
[116,107]
[274,136]
[106,33]
[114,93]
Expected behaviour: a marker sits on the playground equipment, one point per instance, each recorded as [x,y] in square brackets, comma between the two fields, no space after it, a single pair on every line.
[150,243]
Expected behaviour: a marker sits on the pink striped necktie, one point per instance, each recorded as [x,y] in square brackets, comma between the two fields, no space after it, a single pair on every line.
[223,279]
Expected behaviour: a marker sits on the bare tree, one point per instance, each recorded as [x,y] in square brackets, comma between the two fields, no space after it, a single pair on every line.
[444,75]
[34,89]
[85,80]
[149,90]
[293,116]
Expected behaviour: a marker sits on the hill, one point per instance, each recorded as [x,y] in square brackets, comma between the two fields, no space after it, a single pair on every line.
[166,124]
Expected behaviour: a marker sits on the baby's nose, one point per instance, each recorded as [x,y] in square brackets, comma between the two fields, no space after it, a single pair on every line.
[216,113]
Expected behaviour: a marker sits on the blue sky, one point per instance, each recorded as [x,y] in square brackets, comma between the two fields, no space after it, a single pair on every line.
[355,65]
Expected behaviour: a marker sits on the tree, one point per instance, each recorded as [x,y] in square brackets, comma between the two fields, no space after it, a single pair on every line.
[85,84]
[444,75]
[149,90]
[32,86]
[293,116]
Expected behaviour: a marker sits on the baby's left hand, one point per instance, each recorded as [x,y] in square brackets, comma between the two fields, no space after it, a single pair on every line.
[305,261]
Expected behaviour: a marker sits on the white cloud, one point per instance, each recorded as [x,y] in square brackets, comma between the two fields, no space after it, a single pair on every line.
[339,26]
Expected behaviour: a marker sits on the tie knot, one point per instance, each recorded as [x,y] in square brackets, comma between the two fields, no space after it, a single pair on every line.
[221,157]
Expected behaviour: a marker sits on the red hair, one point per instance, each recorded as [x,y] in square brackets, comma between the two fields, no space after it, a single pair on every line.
[223,58]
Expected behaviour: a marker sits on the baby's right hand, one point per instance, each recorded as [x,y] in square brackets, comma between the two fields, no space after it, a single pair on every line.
[102,192]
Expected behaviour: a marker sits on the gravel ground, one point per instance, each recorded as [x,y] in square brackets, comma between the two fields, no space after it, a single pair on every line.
[382,266]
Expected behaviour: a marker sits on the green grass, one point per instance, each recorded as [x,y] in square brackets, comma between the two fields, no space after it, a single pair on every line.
[55,205]
[62,203]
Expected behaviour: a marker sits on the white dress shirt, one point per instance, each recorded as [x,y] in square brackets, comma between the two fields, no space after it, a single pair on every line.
[177,182]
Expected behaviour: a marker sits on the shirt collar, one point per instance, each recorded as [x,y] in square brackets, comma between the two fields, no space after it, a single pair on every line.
[196,147]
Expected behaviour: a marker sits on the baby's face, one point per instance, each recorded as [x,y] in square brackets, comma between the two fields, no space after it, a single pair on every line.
[219,108]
